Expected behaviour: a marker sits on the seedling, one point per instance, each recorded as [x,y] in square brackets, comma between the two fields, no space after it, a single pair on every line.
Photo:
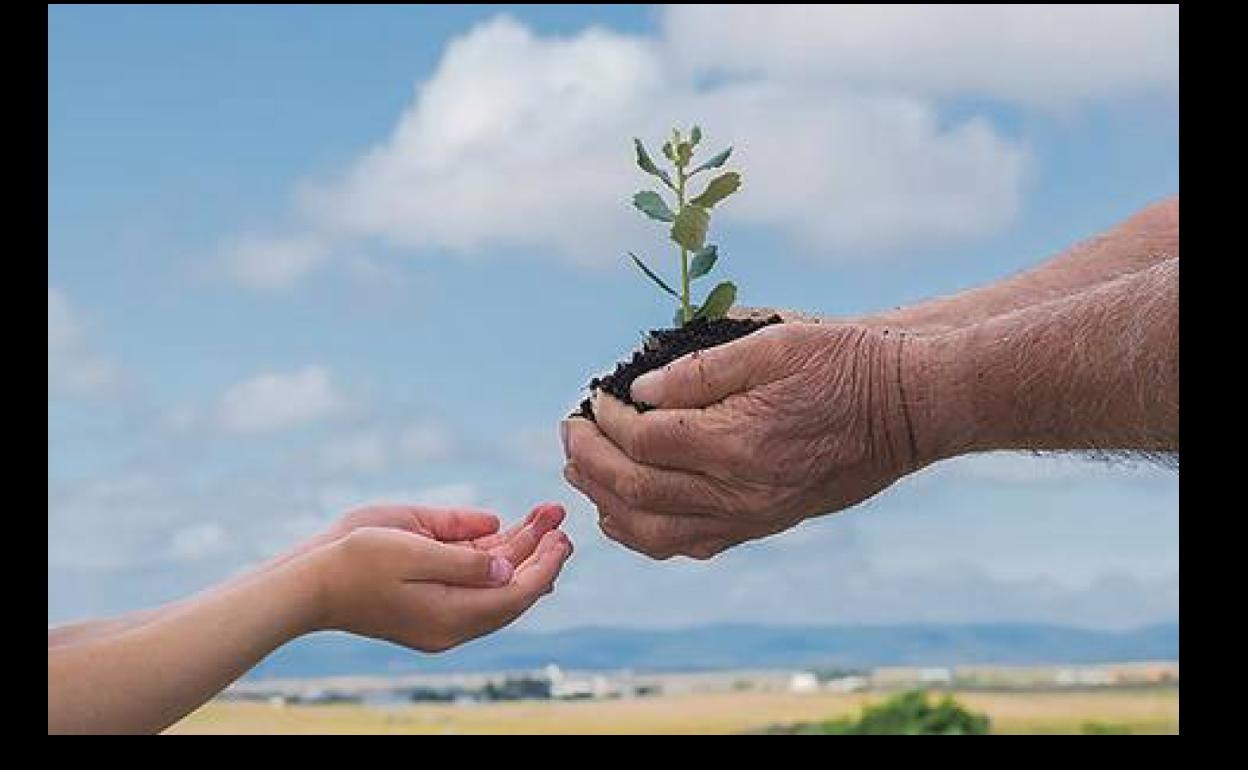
[696,326]
[689,222]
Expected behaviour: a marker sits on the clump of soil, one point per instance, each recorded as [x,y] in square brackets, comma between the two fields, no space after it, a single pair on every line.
[662,346]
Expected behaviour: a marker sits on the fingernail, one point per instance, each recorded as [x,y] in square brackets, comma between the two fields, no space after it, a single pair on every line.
[552,514]
[554,542]
[500,571]
[648,388]
[564,432]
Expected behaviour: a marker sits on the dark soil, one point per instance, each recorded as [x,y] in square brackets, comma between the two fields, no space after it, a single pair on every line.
[663,346]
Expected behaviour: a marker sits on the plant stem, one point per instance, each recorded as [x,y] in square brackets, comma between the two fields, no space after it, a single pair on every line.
[686,311]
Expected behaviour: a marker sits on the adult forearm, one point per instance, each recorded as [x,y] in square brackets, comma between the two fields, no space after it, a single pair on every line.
[1096,370]
[146,678]
[1144,240]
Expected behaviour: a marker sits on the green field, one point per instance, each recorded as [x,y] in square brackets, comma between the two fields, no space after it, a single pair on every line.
[1143,710]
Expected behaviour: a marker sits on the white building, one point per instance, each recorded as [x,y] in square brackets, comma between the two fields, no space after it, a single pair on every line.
[1083,677]
[803,682]
[935,676]
[847,684]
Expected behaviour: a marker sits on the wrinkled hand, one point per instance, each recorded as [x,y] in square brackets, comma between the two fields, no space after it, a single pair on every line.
[751,437]
[431,579]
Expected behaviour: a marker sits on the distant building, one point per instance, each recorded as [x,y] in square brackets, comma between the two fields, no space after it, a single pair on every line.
[568,687]
[1084,676]
[853,683]
[935,676]
[897,677]
[803,682]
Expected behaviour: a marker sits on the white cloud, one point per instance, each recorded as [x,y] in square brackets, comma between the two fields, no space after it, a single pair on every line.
[519,141]
[274,401]
[374,450]
[504,146]
[1052,468]
[1049,55]
[73,367]
[180,418]
[272,263]
[109,523]
[461,493]
[878,172]
[340,498]
[198,541]
[366,452]
[771,582]
[535,448]
[425,443]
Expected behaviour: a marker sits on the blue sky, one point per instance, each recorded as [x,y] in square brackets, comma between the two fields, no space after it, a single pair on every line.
[303,258]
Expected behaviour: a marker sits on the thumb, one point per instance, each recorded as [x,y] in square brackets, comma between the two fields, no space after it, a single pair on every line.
[459,565]
[705,377]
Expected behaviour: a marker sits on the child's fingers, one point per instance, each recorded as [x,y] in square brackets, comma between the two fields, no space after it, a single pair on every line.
[452,524]
[490,542]
[520,546]
[492,609]
[536,576]
[457,565]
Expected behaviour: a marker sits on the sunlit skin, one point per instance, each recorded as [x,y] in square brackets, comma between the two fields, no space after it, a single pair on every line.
[425,578]
[811,417]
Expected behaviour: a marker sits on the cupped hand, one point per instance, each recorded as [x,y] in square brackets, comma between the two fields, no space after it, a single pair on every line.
[431,579]
[750,438]
[470,526]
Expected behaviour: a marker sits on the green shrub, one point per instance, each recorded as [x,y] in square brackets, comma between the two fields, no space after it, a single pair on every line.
[910,713]
[1104,728]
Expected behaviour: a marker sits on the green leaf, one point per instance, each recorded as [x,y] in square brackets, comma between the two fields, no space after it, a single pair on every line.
[651,203]
[684,154]
[695,136]
[718,301]
[703,261]
[679,318]
[669,152]
[714,162]
[689,229]
[652,275]
[647,165]
[643,158]
[720,187]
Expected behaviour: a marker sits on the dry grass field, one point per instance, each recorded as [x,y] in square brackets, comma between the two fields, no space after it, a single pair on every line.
[1151,710]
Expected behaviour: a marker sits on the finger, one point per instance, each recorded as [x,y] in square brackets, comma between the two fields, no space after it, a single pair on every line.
[639,486]
[678,439]
[498,538]
[659,536]
[454,524]
[539,513]
[456,564]
[494,608]
[662,536]
[705,377]
[521,545]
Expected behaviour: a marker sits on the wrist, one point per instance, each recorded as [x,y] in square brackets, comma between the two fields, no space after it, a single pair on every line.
[302,582]
[938,384]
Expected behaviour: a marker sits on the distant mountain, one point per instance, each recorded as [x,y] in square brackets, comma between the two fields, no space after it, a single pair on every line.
[733,646]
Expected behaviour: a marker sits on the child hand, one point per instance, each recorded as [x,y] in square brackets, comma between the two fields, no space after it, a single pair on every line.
[433,580]
[468,526]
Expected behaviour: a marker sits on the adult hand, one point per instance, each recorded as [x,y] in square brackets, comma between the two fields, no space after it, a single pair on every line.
[750,438]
